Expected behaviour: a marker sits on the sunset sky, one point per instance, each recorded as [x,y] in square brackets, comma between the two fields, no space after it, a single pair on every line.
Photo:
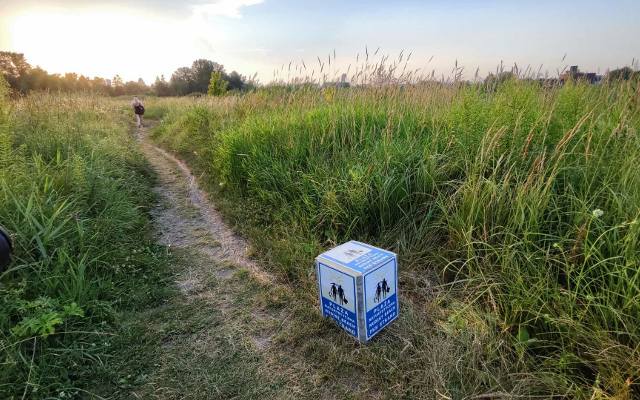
[146,38]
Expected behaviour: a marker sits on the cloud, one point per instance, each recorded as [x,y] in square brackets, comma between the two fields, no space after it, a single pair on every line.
[223,8]
[207,8]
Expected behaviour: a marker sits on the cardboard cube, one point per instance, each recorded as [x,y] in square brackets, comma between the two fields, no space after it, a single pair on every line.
[358,287]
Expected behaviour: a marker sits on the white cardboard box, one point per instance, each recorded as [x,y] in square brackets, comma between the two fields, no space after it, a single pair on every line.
[358,288]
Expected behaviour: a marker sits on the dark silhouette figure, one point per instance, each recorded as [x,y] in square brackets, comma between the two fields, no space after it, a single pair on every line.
[333,292]
[343,299]
[378,293]
[385,288]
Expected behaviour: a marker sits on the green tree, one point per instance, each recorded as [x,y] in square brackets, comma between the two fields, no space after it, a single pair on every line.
[15,68]
[201,70]
[236,81]
[118,86]
[161,87]
[217,84]
[491,82]
[181,81]
[623,74]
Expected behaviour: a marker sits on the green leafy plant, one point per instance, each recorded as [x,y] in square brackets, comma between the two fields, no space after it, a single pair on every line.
[217,84]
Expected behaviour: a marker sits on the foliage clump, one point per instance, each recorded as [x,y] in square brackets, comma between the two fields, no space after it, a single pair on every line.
[217,85]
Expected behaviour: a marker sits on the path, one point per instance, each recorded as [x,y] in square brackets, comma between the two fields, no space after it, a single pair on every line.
[188,220]
[211,339]
[231,331]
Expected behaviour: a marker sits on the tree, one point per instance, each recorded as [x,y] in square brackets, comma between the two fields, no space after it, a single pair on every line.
[236,81]
[201,70]
[135,88]
[181,81]
[491,82]
[4,90]
[217,84]
[625,73]
[83,84]
[54,82]
[100,85]
[23,78]
[118,85]
[15,68]
[37,79]
[198,79]
[195,79]
[69,82]
[161,87]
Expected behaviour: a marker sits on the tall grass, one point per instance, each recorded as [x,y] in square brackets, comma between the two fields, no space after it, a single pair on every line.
[522,199]
[73,191]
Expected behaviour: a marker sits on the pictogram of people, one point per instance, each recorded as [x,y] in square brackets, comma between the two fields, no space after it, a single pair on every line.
[376,298]
[336,292]
[385,287]
[333,291]
[382,289]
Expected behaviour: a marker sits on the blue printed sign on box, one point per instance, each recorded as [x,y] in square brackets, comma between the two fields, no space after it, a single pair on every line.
[338,298]
[358,287]
[381,300]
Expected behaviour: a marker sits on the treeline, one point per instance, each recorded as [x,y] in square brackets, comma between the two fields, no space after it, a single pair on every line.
[24,78]
[197,79]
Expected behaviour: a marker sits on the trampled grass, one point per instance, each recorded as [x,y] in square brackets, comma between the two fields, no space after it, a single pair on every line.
[515,210]
[73,194]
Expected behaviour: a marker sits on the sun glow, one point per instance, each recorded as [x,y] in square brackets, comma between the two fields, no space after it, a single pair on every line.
[102,42]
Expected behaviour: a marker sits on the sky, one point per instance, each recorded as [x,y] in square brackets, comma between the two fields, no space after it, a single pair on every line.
[148,38]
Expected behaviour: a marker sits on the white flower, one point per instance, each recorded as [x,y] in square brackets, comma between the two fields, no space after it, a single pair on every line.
[597,213]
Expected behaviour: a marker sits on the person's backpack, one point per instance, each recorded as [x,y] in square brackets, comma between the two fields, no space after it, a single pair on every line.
[139,109]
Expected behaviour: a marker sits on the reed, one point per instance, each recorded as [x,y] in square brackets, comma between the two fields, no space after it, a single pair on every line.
[521,201]
[73,195]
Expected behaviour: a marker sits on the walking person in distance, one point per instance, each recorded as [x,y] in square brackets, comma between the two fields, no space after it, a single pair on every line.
[138,109]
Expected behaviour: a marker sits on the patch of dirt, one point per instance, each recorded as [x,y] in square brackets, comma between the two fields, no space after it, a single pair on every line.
[187,219]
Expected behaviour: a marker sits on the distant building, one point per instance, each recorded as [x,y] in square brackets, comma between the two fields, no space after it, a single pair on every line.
[574,74]
[343,83]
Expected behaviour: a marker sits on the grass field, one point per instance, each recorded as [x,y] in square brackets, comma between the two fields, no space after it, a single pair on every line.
[73,194]
[515,210]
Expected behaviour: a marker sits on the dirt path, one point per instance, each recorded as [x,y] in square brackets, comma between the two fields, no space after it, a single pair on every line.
[213,337]
[188,220]
[231,330]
